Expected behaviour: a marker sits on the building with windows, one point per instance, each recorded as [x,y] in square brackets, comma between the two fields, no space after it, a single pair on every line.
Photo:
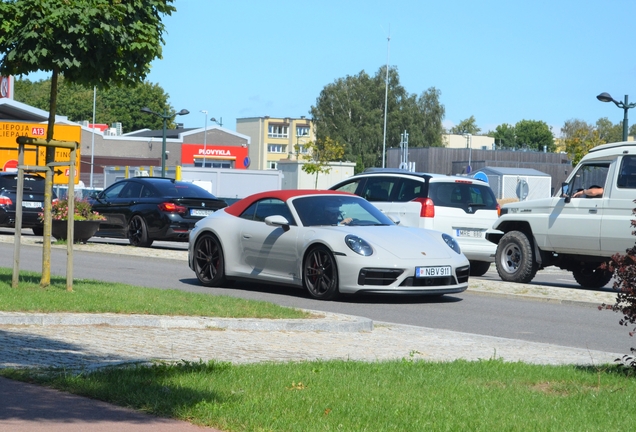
[275,139]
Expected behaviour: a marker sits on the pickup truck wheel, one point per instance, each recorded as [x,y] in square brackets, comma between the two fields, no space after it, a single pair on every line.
[591,276]
[515,258]
[479,268]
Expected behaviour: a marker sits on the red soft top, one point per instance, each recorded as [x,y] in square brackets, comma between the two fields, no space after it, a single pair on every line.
[238,207]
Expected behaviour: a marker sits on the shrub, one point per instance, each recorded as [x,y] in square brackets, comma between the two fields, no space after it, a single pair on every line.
[83,211]
[623,266]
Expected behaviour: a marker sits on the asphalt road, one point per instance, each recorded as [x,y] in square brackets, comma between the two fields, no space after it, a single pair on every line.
[581,326]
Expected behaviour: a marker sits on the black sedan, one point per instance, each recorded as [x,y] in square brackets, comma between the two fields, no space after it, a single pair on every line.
[145,209]
[32,201]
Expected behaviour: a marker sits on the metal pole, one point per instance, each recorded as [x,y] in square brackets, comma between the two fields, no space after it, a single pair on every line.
[93,137]
[205,136]
[386,97]
[163,145]
[625,108]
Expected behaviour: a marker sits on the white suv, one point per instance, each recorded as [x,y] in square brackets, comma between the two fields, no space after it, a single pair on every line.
[461,206]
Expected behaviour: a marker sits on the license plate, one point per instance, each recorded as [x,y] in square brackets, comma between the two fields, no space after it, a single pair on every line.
[433,271]
[199,212]
[31,204]
[469,233]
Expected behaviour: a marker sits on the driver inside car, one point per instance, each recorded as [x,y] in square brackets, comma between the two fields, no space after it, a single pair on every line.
[335,217]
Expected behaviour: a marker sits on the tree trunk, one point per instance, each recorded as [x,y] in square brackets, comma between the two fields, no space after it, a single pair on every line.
[45,281]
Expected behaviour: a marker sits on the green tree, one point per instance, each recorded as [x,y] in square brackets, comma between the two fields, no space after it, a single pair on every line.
[319,154]
[467,126]
[609,132]
[579,142]
[432,112]
[504,136]
[534,135]
[113,104]
[89,42]
[351,111]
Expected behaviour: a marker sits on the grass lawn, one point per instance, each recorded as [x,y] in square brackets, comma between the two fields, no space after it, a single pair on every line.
[406,395]
[102,297]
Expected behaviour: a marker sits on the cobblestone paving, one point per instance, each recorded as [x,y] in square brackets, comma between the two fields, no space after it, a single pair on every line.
[93,346]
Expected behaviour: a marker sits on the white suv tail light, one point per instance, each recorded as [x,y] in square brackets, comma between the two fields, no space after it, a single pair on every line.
[428,207]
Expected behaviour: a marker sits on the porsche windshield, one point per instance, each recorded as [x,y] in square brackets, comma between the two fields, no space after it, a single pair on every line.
[315,210]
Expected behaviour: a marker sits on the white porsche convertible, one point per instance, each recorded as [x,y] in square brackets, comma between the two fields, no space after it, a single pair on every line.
[327,242]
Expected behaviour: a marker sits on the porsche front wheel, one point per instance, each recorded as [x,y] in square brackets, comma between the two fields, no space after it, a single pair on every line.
[320,274]
[209,265]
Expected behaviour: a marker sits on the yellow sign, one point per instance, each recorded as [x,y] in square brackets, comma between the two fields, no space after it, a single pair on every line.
[36,155]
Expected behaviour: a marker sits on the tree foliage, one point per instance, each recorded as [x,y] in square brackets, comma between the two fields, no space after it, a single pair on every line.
[351,111]
[534,135]
[89,42]
[504,136]
[319,154]
[113,104]
[467,126]
[608,131]
[578,137]
[580,142]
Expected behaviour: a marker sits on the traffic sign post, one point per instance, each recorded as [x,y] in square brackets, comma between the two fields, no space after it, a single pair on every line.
[22,142]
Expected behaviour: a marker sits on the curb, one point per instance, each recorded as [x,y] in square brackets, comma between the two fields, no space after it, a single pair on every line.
[328,322]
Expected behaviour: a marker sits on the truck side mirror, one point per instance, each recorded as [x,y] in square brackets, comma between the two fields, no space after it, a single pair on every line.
[564,191]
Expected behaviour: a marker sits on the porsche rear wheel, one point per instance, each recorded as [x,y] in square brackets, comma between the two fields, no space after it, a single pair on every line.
[138,232]
[209,265]
[320,274]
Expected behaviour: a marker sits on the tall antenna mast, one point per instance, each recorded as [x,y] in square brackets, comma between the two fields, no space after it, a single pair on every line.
[386,95]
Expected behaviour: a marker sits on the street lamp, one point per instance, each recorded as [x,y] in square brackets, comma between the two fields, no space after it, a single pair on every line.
[605,97]
[165,117]
[469,144]
[220,123]
[205,137]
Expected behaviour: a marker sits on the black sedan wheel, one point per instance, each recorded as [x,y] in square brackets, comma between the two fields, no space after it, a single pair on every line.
[320,274]
[208,261]
[138,232]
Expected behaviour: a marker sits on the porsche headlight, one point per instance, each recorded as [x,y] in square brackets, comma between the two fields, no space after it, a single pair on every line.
[358,245]
[451,242]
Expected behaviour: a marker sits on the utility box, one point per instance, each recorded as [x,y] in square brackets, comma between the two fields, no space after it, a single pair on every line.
[233,183]
[520,183]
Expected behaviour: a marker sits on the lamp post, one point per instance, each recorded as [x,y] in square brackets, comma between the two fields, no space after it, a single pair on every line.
[205,137]
[470,150]
[220,123]
[605,97]
[165,117]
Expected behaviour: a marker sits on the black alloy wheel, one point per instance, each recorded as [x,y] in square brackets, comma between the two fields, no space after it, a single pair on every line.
[138,232]
[208,261]
[320,274]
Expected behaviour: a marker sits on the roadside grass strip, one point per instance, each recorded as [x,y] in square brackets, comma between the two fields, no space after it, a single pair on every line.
[89,296]
[404,395]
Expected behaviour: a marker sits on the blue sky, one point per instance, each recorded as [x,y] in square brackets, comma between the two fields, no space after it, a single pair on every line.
[500,61]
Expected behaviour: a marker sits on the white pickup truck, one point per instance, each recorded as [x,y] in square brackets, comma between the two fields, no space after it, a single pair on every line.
[572,230]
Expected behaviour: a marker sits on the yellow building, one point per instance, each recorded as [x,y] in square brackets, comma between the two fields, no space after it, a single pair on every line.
[275,139]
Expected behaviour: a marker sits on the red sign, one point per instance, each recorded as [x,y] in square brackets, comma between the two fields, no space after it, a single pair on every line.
[197,152]
[10,165]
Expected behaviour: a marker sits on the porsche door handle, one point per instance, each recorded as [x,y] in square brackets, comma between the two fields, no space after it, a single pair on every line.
[593,211]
